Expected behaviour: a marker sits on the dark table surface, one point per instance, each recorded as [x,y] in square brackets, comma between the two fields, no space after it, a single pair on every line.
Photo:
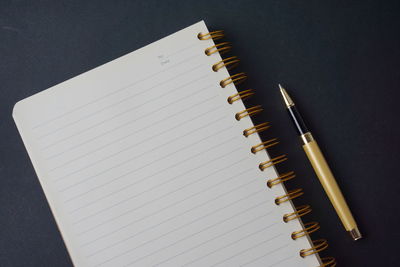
[339,59]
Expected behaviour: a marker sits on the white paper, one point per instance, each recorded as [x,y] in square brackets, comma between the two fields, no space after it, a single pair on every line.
[144,164]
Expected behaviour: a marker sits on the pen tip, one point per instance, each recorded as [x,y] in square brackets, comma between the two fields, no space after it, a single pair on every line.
[286,97]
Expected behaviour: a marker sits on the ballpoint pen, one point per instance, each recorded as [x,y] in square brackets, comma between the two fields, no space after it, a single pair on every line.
[321,168]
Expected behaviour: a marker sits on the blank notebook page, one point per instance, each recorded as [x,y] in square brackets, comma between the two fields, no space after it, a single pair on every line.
[144,164]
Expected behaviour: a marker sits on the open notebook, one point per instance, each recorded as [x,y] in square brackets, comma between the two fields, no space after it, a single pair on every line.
[144,163]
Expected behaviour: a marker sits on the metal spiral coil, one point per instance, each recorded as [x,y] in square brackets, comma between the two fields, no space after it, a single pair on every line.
[215,35]
[248,112]
[299,212]
[309,228]
[328,262]
[269,163]
[256,129]
[280,179]
[229,63]
[240,95]
[221,48]
[318,245]
[291,194]
[236,79]
[264,145]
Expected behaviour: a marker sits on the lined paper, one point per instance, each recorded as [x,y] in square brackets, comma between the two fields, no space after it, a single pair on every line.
[144,164]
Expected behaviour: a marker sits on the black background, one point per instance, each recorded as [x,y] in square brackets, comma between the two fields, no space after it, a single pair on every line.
[339,59]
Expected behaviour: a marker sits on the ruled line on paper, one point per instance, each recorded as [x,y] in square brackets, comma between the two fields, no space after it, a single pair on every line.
[137,143]
[182,239]
[175,203]
[114,92]
[208,149]
[246,250]
[266,254]
[162,196]
[109,207]
[164,221]
[155,148]
[75,171]
[169,116]
[128,186]
[197,43]
[235,242]
[120,164]
[109,119]
[193,234]
[147,177]
[179,227]
[207,241]
[145,90]
[282,260]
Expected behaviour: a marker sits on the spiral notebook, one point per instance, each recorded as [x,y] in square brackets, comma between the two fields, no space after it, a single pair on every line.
[153,160]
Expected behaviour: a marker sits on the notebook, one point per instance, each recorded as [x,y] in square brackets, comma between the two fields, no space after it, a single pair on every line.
[153,160]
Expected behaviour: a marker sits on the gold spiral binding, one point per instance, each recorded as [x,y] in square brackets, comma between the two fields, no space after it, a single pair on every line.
[221,48]
[280,179]
[236,79]
[309,228]
[289,196]
[271,162]
[228,63]
[215,35]
[318,245]
[264,145]
[328,262]
[256,129]
[299,212]
[240,95]
[248,112]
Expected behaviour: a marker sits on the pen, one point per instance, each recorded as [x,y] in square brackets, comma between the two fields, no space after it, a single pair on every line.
[322,169]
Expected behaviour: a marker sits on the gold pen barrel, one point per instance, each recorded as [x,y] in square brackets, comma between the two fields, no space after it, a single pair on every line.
[329,184]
